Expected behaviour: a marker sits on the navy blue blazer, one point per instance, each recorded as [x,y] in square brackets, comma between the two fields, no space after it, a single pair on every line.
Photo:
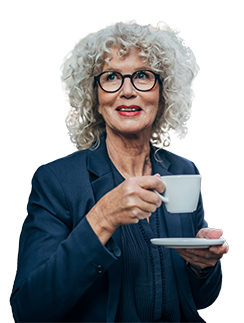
[64,273]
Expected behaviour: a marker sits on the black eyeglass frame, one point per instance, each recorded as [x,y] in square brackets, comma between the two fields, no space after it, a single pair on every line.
[157,77]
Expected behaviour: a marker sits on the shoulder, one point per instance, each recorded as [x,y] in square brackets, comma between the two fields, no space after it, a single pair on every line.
[65,181]
[64,167]
[77,161]
[73,160]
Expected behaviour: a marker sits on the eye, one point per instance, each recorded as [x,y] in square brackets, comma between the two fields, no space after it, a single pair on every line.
[141,75]
[112,76]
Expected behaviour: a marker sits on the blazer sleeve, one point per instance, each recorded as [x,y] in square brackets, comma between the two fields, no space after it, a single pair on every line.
[205,289]
[57,262]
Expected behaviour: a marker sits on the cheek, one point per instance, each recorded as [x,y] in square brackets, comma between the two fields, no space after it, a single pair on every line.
[105,101]
[155,104]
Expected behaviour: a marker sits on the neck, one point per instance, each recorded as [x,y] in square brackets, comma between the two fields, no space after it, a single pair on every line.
[131,156]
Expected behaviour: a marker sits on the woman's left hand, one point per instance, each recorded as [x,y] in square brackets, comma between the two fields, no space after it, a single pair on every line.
[205,257]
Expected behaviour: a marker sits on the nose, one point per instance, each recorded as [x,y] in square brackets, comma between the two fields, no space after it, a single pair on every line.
[128,89]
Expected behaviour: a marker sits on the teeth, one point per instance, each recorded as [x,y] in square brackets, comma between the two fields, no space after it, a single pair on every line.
[128,110]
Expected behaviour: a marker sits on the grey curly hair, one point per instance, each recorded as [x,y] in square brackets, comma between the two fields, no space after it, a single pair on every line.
[160,47]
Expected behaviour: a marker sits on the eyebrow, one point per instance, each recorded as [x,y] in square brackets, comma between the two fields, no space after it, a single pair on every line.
[112,68]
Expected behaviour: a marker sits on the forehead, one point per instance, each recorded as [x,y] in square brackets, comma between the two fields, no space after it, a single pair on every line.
[130,60]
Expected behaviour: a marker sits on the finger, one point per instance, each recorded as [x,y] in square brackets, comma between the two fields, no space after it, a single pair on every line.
[214,234]
[132,215]
[145,206]
[209,233]
[157,175]
[203,257]
[160,188]
[203,263]
[197,260]
[139,207]
[150,197]
[138,215]
[202,233]
[221,250]
[151,183]
[203,254]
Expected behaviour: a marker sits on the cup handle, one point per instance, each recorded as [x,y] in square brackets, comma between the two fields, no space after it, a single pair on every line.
[164,199]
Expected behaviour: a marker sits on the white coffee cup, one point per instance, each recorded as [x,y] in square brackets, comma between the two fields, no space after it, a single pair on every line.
[181,193]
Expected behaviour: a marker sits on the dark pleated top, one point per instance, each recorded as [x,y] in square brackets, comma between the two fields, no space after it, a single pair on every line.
[148,290]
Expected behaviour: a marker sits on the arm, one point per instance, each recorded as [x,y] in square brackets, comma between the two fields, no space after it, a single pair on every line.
[56,263]
[205,289]
[204,269]
[59,255]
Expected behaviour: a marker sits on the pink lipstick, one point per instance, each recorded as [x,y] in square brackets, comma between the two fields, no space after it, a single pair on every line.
[128,111]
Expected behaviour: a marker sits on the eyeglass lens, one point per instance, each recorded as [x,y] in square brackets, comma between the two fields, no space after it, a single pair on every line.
[142,80]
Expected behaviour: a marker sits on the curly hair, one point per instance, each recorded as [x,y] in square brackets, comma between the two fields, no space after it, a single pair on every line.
[160,47]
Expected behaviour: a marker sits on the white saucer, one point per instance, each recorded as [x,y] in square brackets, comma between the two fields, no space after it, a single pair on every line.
[182,243]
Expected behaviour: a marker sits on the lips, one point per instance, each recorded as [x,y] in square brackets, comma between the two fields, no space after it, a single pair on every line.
[129,111]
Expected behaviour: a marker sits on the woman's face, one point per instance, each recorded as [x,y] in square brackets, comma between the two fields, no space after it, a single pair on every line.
[128,111]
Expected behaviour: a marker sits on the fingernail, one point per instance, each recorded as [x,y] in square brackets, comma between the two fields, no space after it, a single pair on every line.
[157,175]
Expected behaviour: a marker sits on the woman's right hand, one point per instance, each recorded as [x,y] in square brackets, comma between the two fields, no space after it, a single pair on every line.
[126,204]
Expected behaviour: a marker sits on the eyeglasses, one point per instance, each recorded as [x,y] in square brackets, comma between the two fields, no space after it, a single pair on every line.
[112,81]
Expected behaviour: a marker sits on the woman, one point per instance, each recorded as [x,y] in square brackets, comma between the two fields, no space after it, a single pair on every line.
[85,253]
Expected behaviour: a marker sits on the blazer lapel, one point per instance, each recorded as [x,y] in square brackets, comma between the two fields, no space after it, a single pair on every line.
[102,181]
[98,165]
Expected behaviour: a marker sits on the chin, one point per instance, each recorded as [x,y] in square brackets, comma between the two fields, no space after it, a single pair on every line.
[134,132]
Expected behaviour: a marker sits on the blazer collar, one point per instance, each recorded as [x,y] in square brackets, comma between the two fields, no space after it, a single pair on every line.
[98,162]
[160,163]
